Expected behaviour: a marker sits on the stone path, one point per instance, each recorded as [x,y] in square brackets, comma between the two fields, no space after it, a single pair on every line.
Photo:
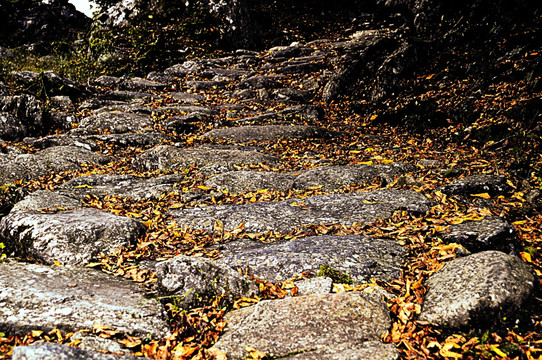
[235,146]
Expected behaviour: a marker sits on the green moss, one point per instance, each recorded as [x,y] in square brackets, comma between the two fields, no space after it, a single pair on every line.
[336,275]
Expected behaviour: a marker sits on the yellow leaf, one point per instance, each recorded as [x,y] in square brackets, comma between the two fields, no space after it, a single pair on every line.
[354,151]
[365,163]
[483,195]
[445,351]
[57,263]
[373,117]
[498,351]
[203,187]
[511,184]
[36,333]
[429,77]
[133,214]
[255,354]
[370,149]
[520,222]
[387,161]
[147,223]
[526,257]
[83,186]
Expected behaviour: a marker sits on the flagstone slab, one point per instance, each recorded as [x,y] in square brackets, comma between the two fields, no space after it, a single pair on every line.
[361,258]
[73,298]
[285,216]
[249,133]
[171,157]
[122,185]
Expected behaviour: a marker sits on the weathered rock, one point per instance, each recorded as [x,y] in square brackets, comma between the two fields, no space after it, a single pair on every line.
[57,158]
[302,112]
[268,132]
[334,177]
[206,85]
[107,81]
[260,82]
[62,140]
[239,181]
[170,157]
[186,97]
[330,323]
[11,129]
[491,233]
[42,200]
[52,351]
[90,342]
[477,290]
[285,216]
[26,110]
[55,85]
[74,298]
[70,237]
[477,184]
[139,84]
[196,281]
[115,122]
[359,257]
[314,286]
[289,94]
[130,139]
[122,185]
[60,120]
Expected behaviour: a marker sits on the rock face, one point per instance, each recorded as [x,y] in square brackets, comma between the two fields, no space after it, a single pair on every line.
[359,257]
[476,290]
[195,281]
[336,324]
[71,298]
[285,216]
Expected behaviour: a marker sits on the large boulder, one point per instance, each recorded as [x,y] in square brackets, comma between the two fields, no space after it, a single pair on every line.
[477,290]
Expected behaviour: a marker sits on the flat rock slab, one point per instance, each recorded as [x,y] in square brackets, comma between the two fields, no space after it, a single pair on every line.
[222,160]
[130,139]
[196,281]
[374,350]
[249,133]
[240,181]
[491,233]
[477,184]
[71,237]
[74,298]
[328,322]
[122,185]
[334,177]
[285,216]
[116,123]
[51,351]
[477,290]
[360,257]
[57,158]
[46,200]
